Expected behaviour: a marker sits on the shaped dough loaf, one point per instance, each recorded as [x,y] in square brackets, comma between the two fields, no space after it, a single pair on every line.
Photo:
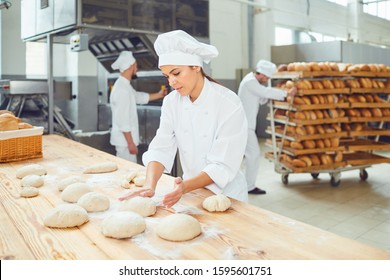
[32,169]
[62,184]
[216,203]
[66,215]
[35,181]
[73,192]
[144,206]
[179,227]
[94,202]
[29,192]
[123,225]
[103,167]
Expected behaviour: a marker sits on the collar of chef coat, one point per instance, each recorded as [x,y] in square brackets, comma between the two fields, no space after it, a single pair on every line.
[202,96]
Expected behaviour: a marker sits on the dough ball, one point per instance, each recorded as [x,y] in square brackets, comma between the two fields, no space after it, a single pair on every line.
[144,206]
[126,184]
[139,181]
[35,181]
[179,227]
[94,202]
[29,192]
[32,169]
[130,176]
[216,203]
[62,184]
[123,225]
[66,215]
[74,191]
[102,167]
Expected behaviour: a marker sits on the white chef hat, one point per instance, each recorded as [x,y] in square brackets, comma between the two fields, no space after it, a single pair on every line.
[179,48]
[124,61]
[266,68]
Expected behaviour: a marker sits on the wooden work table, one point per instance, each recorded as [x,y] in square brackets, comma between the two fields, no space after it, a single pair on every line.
[242,232]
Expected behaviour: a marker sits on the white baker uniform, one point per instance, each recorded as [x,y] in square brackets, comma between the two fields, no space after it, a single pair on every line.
[123,101]
[210,135]
[252,95]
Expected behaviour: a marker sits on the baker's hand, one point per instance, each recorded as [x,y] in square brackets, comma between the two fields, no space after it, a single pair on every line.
[292,91]
[163,92]
[133,149]
[178,190]
[144,192]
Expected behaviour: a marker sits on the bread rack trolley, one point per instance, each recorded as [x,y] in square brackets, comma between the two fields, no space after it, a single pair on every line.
[357,153]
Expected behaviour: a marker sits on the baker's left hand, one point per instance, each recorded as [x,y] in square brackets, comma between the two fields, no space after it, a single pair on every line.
[173,197]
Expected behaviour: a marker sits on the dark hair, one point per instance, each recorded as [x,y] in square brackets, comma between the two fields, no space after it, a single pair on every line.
[207,76]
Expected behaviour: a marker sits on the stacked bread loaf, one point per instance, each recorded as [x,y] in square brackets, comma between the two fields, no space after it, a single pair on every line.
[8,121]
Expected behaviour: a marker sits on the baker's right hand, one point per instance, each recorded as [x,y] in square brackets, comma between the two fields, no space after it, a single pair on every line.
[143,192]
[133,149]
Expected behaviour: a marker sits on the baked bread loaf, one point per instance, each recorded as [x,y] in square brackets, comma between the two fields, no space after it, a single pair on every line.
[8,122]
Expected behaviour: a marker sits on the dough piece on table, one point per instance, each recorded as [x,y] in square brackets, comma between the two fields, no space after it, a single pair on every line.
[35,181]
[103,167]
[217,203]
[31,169]
[74,191]
[94,202]
[139,181]
[29,192]
[66,215]
[62,184]
[123,225]
[179,227]
[144,206]
[134,178]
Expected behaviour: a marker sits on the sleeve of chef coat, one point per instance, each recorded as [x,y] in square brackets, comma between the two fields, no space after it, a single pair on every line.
[163,146]
[122,113]
[265,93]
[226,154]
[141,97]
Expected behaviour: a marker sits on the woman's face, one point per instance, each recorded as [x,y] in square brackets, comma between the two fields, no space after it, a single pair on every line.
[184,79]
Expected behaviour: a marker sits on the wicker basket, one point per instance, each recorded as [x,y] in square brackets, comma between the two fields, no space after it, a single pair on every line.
[21,144]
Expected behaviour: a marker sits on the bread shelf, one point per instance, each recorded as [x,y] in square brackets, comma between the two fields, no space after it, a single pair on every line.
[370,90]
[370,105]
[294,107]
[364,158]
[296,137]
[352,146]
[294,122]
[365,145]
[369,119]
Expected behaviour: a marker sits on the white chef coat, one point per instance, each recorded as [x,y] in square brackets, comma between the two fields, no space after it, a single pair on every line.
[210,135]
[253,94]
[123,101]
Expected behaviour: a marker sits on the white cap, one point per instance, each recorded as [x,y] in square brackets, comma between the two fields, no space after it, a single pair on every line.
[179,48]
[266,68]
[124,61]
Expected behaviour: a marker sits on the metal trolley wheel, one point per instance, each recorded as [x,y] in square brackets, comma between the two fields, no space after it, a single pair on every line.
[363,174]
[285,179]
[315,175]
[335,179]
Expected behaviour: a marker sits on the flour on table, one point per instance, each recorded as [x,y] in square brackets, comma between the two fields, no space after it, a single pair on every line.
[66,215]
[123,224]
